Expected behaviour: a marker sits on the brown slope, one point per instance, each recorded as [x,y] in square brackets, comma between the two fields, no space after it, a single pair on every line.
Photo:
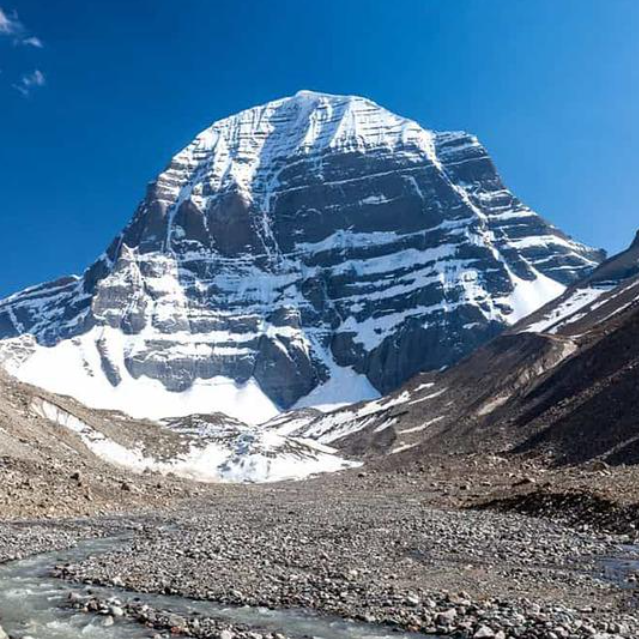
[46,470]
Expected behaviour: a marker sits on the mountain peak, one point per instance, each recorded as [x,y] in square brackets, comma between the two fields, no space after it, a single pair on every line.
[312,251]
[308,121]
[306,93]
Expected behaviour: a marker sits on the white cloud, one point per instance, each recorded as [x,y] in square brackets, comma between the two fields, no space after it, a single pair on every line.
[9,25]
[29,81]
[32,41]
[12,28]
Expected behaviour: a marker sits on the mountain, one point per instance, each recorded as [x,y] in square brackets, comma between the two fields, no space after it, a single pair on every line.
[560,384]
[313,251]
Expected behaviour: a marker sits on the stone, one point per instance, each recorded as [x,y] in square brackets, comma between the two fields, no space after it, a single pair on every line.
[447,617]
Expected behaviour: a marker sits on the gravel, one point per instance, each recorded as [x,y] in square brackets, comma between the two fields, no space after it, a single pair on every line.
[380,556]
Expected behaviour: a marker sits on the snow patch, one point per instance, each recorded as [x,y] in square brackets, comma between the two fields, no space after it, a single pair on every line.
[84,379]
[221,452]
[567,311]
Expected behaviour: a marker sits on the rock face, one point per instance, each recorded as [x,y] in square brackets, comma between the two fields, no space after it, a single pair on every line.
[559,385]
[313,250]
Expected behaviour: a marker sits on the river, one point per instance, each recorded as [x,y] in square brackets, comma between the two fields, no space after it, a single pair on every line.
[35,604]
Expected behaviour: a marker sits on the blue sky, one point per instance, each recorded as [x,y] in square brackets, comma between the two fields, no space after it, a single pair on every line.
[96,96]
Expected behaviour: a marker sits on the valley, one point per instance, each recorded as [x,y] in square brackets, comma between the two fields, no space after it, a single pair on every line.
[332,380]
[411,550]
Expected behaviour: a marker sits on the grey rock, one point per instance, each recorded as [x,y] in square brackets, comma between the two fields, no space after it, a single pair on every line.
[378,245]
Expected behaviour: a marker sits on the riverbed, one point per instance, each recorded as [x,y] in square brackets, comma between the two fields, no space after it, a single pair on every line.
[35,604]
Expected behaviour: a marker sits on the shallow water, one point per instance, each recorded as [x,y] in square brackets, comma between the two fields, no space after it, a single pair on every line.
[32,604]
[618,569]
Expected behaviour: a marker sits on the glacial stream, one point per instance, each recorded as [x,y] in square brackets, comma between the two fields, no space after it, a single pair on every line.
[34,604]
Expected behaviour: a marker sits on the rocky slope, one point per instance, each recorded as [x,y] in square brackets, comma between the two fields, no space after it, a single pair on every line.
[559,384]
[47,471]
[315,250]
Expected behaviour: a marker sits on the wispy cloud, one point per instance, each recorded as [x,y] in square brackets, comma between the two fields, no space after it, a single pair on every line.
[11,26]
[33,41]
[14,30]
[30,81]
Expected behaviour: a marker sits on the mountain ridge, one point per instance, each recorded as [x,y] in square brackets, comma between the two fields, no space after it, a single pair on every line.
[556,387]
[315,250]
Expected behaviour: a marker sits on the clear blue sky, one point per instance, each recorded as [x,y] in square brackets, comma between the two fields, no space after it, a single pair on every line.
[551,87]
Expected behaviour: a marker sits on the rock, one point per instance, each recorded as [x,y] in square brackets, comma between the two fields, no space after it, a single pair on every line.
[598,465]
[447,617]
[484,632]
[389,202]
[3,634]
[412,599]
[176,621]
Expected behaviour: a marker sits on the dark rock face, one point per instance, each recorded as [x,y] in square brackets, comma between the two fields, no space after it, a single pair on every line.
[311,233]
[560,385]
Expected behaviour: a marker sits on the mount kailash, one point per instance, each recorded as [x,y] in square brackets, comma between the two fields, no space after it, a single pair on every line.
[313,251]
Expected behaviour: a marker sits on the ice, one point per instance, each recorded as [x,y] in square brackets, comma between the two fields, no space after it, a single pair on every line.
[230,453]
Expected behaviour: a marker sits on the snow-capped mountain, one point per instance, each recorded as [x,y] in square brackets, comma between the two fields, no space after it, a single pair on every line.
[315,250]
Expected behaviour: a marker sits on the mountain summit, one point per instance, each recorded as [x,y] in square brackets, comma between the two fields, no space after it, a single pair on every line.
[315,250]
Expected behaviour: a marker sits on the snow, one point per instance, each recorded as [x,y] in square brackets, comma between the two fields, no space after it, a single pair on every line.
[424,398]
[341,423]
[343,387]
[144,397]
[85,380]
[529,295]
[234,148]
[290,421]
[421,427]
[251,455]
[540,240]
[566,311]
[402,447]
[99,444]
[375,199]
[346,239]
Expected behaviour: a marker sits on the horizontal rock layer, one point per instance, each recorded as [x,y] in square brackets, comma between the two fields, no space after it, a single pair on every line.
[319,248]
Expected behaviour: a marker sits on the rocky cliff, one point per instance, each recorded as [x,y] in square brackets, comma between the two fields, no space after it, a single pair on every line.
[315,250]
